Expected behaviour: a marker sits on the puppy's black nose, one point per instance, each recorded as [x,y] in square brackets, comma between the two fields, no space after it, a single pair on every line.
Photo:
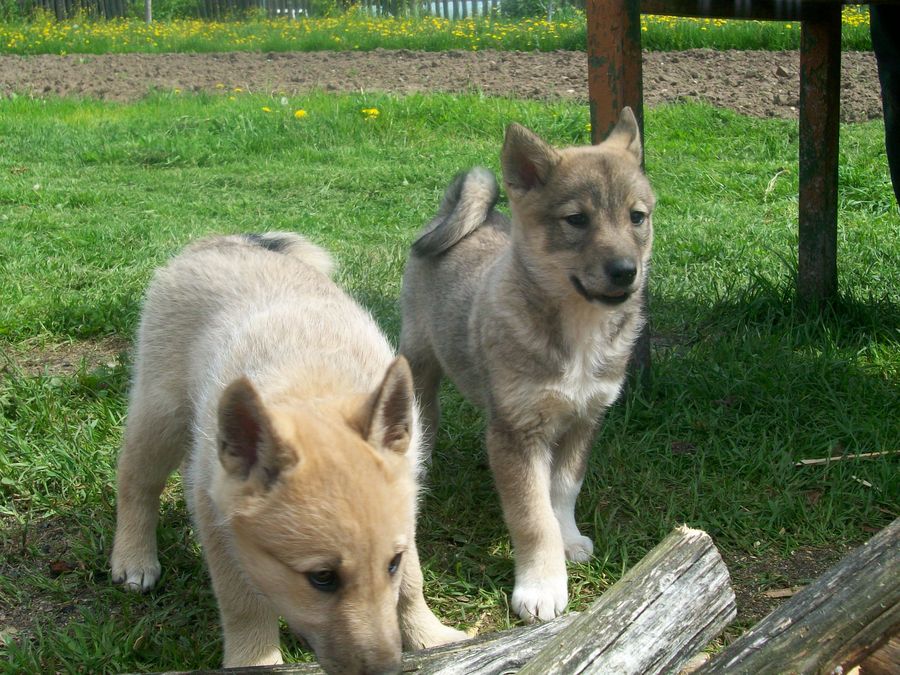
[621,271]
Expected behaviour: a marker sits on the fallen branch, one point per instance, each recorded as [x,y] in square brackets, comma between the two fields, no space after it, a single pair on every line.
[778,593]
[844,458]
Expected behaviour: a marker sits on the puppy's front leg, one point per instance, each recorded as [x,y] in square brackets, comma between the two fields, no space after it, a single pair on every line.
[419,626]
[521,464]
[249,624]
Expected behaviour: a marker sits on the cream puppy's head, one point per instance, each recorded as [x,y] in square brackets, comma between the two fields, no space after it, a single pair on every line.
[320,498]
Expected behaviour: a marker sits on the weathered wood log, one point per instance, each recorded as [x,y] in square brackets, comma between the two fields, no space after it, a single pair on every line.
[833,624]
[664,610]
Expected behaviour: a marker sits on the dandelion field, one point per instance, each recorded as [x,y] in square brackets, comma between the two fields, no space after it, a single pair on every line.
[357,31]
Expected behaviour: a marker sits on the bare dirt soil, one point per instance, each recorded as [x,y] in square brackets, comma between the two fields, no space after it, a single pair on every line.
[62,359]
[763,84]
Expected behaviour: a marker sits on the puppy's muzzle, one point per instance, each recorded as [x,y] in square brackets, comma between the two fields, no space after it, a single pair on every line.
[615,285]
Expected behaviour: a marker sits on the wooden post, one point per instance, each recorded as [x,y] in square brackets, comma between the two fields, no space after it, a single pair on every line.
[615,80]
[614,63]
[831,626]
[820,75]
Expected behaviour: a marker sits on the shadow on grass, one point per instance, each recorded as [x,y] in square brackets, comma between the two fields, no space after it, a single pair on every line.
[743,388]
[739,394]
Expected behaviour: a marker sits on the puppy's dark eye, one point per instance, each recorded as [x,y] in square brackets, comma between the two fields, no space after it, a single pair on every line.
[577,220]
[638,217]
[395,564]
[323,580]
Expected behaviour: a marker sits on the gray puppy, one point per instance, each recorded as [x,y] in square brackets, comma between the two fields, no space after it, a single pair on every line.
[534,319]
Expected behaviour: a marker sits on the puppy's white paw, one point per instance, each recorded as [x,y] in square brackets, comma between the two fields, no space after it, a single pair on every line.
[135,573]
[427,631]
[445,636]
[579,549]
[251,656]
[541,600]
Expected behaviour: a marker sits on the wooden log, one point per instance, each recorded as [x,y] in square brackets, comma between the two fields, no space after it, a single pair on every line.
[666,608]
[834,624]
[662,612]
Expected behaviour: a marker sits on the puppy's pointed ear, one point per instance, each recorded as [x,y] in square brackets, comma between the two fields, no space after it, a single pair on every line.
[626,134]
[391,408]
[248,446]
[527,159]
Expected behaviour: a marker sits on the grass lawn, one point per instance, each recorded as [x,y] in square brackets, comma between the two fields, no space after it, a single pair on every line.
[93,196]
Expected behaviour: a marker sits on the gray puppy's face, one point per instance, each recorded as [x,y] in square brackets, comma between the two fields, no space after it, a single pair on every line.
[583,215]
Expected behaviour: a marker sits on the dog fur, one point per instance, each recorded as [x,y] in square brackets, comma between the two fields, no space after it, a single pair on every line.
[534,319]
[301,438]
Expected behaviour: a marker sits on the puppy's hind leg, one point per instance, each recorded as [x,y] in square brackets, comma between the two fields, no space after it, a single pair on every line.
[427,374]
[155,442]
[569,465]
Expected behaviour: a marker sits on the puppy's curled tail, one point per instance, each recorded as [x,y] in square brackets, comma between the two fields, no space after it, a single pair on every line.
[297,246]
[467,203]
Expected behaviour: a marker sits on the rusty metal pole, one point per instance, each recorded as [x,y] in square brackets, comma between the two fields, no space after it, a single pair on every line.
[614,63]
[615,79]
[820,76]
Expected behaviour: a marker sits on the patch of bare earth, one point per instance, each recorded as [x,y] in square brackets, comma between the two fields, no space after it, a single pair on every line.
[40,549]
[759,83]
[763,582]
[65,358]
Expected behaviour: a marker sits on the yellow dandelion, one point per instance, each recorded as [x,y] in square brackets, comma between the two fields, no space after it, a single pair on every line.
[370,113]
[266,108]
[300,114]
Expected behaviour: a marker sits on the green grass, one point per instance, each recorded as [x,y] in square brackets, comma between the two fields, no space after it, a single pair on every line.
[357,31]
[93,196]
